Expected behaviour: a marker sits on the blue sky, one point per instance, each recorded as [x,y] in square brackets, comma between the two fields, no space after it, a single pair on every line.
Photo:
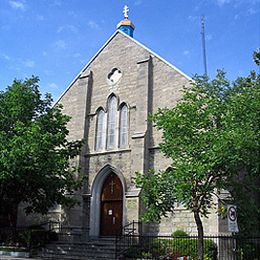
[54,39]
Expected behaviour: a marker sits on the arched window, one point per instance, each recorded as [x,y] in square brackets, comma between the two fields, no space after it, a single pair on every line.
[123,132]
[101,130]
[111,123]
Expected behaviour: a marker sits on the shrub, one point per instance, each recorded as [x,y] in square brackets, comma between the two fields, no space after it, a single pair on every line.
[248,250]
[160,248]
[179,233]
[27,238]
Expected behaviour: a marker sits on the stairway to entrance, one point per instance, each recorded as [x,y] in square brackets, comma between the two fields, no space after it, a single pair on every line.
[103,248]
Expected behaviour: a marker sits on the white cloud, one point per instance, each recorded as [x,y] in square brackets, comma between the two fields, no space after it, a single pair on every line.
[29,63]
[236,3]
[18,5]
[237,16]
[248,2]
[197,8]
[40,17]
[208,37]
[72,14]
[57,3]
[68,27]
[5,57]
[60,29]
[5,27]
[193,17]
[48,72]
[76,55]
[222,2]
[60,44]
[83,61]
[138,2]
[53,85]
[93,25]
[251,11]
[186,52]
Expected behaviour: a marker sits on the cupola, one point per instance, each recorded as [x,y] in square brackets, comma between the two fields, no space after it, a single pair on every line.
[126,25]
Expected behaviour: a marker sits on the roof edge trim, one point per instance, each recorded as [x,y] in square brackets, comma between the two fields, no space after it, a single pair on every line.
[104,45]
[157,55]
[85,67]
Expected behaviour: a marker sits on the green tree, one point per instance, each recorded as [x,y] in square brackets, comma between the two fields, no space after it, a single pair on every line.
[35,154]
[242,119]
[256,56]
[211,136]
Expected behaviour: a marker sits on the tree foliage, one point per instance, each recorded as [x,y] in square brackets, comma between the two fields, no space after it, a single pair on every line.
[212,138]
[157,194]
[256,56]
[243,121]
[35,153]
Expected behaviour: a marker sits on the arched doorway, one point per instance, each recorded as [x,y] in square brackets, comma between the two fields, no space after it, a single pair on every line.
[111,206]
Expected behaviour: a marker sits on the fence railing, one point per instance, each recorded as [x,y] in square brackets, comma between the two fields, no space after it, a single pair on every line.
[184,248]
[26,237]
[37,236]
[72,234]
[126,238]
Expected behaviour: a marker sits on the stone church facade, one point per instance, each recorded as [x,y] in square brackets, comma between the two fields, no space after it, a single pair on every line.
[109,103]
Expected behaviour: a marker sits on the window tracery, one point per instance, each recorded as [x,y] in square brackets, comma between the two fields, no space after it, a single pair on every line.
[101,130]
[112,126]
[123,133]
[111,123]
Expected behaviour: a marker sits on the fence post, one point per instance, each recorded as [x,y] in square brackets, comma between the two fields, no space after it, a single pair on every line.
[234,246]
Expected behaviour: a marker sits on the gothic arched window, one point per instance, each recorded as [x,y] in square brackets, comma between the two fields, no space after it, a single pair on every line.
[101,130]
[123,132]
[111,123]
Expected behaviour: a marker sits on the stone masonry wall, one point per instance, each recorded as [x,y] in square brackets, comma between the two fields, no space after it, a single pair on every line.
[147,83]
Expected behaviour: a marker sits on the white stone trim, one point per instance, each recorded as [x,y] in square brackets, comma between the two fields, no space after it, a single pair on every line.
[133,192]
[156,55]
[106,43]
[94,222]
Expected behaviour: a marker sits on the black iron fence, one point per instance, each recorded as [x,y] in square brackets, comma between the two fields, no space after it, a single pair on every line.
[131,244]
[39,235]
[185,248]
[127,238]
[28,237]
[71,234]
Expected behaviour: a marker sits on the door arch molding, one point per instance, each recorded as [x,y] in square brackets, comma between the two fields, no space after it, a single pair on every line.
[95,203]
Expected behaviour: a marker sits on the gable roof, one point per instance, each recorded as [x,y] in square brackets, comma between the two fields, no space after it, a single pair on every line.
[105,44]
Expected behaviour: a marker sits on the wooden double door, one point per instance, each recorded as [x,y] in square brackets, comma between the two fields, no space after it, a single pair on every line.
[111,206]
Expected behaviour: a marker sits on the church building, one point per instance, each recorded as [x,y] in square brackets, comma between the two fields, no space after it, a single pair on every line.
[109,103]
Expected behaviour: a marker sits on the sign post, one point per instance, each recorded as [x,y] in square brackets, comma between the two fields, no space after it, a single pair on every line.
[232,225]
[232,218]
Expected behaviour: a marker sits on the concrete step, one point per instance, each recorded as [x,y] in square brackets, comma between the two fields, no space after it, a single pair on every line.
[79,250]
[82,257]
[77,258]
[89,253]
[92,249]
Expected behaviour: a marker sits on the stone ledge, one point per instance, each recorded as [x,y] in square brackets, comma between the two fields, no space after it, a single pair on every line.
[134,192]
[15,254]
[107,152]
[138,135]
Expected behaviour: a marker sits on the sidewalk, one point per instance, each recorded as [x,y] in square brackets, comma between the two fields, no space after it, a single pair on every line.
[2,257]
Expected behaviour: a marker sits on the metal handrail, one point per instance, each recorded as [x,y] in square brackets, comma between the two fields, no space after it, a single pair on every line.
[125,237]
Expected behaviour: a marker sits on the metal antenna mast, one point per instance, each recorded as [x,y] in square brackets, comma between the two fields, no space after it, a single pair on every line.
[204,45]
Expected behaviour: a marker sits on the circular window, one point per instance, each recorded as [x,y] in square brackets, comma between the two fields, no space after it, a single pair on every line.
[114,76]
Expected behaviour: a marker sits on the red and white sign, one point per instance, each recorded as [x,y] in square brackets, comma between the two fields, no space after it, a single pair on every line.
[232,218]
